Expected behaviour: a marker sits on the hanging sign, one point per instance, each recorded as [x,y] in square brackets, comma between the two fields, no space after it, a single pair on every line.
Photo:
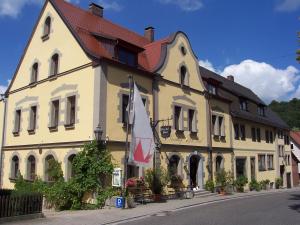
[165,131]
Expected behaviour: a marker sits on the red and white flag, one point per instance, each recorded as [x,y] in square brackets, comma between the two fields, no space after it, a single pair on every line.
[142,144]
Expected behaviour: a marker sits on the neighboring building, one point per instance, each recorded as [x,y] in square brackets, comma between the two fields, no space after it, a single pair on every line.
[73,75]
[259,138]
[295,146]
[2,106]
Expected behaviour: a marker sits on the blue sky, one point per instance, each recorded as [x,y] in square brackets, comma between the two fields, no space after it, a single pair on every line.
[253,40]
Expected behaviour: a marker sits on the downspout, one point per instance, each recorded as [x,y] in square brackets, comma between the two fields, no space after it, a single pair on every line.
[3,136]
[210,158]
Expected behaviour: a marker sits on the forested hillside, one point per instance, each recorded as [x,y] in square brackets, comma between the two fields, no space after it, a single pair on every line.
[288,111]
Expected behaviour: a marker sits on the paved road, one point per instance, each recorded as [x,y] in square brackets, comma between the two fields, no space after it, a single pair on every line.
[275,209]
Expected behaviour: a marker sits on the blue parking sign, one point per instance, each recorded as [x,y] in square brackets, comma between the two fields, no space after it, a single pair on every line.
[119,202]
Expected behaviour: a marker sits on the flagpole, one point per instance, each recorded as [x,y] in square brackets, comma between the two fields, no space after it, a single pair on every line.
[127,135]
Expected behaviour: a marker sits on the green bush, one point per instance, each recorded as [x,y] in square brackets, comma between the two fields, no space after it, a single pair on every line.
[223,179]
[210,186]
[278,182]
[157,179]
[240,183]
[254,185]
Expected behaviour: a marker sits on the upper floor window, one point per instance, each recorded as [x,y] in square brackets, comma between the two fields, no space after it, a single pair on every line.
[243,132]
[71,110]
[280,150]
[243,104]
[267,136]
[292,146]
[184,76]
[17,124]
[125,102]
[34,73]
[270,162]
[47,26]
[54,114]
[280,134]
[239,131]
[127,57]
[192,120]
[258,137]
[33,119]
[178,118]
[218,125]
[261,110]
[286,139]
[54,65]
[212,89]
[271,137]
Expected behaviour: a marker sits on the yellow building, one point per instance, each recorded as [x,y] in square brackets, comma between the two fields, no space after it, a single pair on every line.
[73,76]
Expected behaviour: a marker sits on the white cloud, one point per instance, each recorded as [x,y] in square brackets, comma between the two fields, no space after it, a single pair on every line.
[287,5]
[207,64]
[110,5]
[185,5]
[265,80]
[3,88]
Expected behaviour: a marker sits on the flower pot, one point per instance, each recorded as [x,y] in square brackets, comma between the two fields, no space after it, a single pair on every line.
[130,202]
[189,194]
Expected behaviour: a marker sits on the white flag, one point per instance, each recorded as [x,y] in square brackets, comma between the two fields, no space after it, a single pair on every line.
[142,142]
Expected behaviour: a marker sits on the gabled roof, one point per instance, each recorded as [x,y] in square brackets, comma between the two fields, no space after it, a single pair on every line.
[295,135]
[238,90]
[87,27]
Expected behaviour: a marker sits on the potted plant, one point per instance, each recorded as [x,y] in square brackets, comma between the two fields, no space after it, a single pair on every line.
[240,183]
[278,182]
[254,185]
[267,182]
[157,180]
[177,184]
[210,186]
[224,181]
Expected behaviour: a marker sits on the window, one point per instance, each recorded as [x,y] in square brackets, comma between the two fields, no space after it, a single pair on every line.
[270,160]
[173,165]
[261,162]
[236,131]
[34,73]
[212,89]
[47,27]
[178,118]
[70,171]
[218,125]
[243,132]
[292,146]
[183,76]
[71,110]
[127,57]
[48,160]
[267,136]
[261,110]
[280,134]
[219,163]
[243,105]
[271,137]
[54,65]
[253,133]
[280,150]
[15,167]
[125,102]
[258,137]
[192,120]
[31,168]
[54,114]
[286,139]
[33,119]
[17,125]
[183,50]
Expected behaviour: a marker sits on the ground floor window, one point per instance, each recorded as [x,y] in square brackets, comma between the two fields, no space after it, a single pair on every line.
[31,167]
[132,171]
[219,163]
[241,167]
[70,169]
[173,165]
[261,162]
[48,160]
[14,167]
[270,160]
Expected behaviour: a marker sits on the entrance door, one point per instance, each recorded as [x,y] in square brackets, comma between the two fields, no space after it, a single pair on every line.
[241,167]
[252,164]
[196,171]
[288,180]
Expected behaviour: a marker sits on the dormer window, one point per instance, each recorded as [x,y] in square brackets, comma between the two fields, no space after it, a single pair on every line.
[127,57]
[47,28]
[212,89]
[54,65]
[261,110]
[243,104]
[34,73]
[183,76]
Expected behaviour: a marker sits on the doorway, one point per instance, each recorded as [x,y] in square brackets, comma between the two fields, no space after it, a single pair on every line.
[288,180]
[252,165]
[196,171]
[240,167]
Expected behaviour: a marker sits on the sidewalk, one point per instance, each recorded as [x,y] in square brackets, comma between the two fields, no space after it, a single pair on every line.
[114,215]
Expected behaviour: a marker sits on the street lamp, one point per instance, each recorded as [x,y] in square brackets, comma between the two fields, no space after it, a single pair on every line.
[98,133]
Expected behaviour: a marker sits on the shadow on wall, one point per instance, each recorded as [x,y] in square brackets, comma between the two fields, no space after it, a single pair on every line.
[296,207]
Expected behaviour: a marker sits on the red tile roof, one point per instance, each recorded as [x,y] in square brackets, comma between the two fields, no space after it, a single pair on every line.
[295,135]
[85,25]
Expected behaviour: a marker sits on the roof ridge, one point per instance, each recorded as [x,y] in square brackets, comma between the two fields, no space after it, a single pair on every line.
[104,19]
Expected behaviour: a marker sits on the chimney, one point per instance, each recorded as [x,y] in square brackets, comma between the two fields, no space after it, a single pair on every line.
[230,77]
[149,33]
[95,9]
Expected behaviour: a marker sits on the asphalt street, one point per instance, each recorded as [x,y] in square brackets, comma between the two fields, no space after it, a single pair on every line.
[275,209]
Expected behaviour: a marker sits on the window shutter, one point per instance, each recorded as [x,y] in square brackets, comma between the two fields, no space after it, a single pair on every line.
[68,117]
[31,122]
[186,79]
[222,123]
[181,125]
[216,127]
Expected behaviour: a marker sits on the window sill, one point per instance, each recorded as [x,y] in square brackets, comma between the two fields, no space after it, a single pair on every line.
[33,84]
[179,131]
[12,180]
[31,132]
[270,168]
[45,37]
[262,170]
[16,133]
[53,129]
[69,126]
[193,132]
[52,77]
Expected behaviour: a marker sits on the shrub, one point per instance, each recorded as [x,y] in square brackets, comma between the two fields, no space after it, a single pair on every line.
[210,186]
[157,179]
[224,178]
[278,182]
[254,185]
[240,183]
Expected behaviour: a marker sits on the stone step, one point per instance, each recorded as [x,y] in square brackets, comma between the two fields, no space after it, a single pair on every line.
[203,193]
